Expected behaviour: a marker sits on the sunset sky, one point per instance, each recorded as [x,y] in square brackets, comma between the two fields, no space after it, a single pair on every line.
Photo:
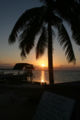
[10,11]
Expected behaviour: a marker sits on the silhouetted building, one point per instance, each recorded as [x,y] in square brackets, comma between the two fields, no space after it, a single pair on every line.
[27,68]
[20,72]
[23,66]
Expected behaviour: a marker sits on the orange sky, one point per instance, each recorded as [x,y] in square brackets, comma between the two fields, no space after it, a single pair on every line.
[59,59]
[10,54]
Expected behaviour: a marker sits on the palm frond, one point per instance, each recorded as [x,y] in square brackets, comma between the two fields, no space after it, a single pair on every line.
[66,43]
[27,16]
[23,53]
[49,3]
[55,20]
[73,17]
[27,37]
[75,27]
[42,43]
[68,9]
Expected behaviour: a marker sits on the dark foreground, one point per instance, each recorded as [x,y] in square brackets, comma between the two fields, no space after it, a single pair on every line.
[20,101]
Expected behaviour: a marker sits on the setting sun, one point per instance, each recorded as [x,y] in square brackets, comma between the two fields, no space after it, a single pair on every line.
[43,65]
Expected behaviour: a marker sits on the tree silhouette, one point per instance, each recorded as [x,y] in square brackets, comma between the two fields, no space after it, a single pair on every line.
[42,20]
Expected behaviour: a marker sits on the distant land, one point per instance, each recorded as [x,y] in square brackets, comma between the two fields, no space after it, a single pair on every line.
[6,66]
[59,68]
[62,67]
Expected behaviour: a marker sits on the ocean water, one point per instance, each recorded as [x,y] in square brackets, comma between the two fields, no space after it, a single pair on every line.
[60,76]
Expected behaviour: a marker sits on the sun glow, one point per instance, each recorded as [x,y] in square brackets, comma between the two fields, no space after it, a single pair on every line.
[42,81]
[43,65]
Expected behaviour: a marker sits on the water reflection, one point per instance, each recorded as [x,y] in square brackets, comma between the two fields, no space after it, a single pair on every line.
[42,77]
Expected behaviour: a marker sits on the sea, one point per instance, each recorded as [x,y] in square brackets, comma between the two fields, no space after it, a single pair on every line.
[60,76]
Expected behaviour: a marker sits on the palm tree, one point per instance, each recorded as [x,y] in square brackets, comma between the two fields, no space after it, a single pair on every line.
[41,21]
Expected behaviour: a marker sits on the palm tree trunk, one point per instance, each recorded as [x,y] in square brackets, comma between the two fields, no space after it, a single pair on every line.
[50,55]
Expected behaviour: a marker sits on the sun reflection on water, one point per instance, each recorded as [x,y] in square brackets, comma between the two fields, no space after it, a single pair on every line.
[42,77]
